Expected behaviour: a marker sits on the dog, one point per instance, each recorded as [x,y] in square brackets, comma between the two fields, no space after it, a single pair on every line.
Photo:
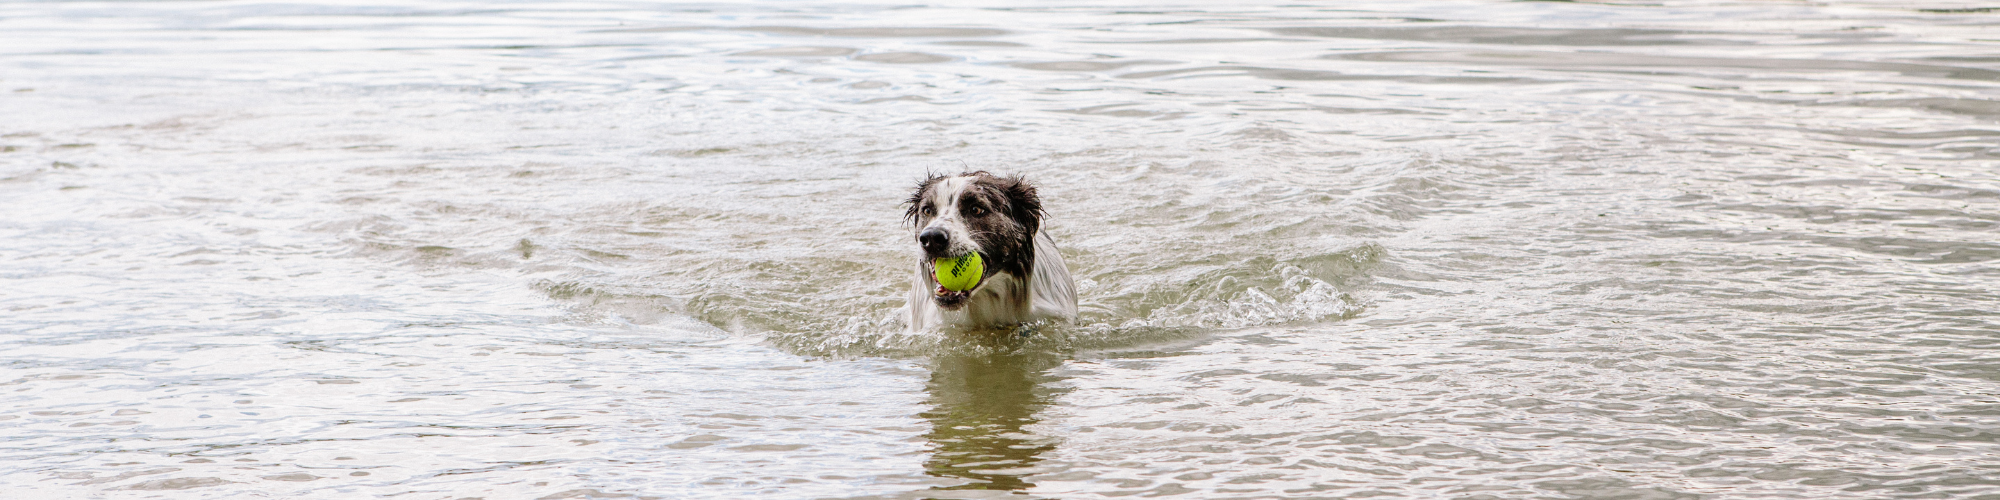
[1025,279]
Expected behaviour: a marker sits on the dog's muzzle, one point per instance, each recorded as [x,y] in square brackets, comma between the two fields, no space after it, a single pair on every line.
[935,242]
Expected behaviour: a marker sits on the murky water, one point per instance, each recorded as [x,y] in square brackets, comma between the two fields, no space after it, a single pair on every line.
[1408,249]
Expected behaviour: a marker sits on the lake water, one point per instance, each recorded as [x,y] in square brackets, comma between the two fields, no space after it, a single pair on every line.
[1409,249]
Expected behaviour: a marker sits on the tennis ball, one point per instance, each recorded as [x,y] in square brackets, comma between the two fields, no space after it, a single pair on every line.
[959,274]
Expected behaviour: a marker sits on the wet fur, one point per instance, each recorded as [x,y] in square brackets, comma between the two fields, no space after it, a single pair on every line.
[1001,218]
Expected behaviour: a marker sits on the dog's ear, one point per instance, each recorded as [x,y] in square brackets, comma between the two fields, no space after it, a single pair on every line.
[917,197]
[1023,204]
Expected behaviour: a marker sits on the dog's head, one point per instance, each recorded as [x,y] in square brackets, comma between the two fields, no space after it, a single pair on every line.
[994,216]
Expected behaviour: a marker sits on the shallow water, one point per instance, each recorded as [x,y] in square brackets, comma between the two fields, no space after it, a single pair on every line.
[1389,249]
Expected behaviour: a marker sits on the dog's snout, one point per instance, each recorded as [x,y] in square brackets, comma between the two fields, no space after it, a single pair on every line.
[934,241]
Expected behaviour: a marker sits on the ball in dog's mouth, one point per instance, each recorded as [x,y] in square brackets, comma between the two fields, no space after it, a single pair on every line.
[959,273]
[952,299]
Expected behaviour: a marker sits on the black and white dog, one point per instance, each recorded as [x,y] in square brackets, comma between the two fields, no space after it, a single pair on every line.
[1001,219]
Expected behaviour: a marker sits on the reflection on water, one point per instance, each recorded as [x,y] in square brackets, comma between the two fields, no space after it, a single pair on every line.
[980,403]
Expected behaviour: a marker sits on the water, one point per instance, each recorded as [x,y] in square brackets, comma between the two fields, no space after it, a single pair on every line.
[1411,249]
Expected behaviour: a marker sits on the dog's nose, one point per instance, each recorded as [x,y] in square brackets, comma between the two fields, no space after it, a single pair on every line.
[934,241]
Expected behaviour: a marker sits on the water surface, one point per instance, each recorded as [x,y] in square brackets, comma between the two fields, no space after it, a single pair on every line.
[1420,249]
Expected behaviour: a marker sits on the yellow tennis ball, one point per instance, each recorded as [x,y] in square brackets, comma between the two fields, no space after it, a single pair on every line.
[959,274]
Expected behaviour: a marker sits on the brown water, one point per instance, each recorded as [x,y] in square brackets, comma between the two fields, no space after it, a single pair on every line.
[1390,249]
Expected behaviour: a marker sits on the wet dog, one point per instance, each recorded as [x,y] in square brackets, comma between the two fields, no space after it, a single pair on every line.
[1025,278]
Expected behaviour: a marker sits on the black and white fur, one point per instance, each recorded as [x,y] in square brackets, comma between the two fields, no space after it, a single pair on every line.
[1001,218]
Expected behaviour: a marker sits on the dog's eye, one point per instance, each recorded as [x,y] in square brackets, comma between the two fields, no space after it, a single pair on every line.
[974,210]
[929,210]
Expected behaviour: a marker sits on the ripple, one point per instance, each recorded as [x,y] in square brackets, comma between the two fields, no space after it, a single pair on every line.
[1571,60]
[799,52]
[903,58]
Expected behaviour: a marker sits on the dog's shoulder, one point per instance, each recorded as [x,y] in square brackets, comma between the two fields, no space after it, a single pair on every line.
[1051,291]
